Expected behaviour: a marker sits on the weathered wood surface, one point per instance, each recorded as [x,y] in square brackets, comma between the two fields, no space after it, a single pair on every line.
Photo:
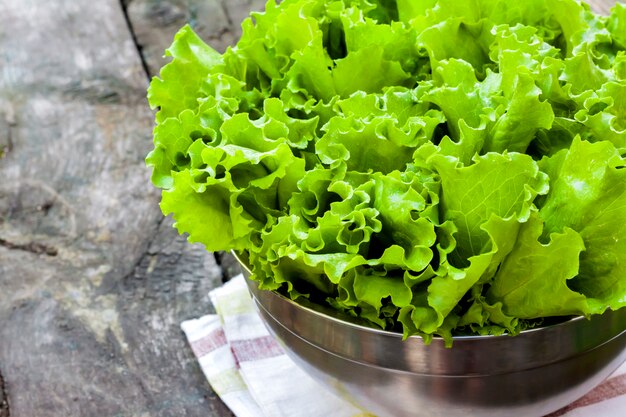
[93,282]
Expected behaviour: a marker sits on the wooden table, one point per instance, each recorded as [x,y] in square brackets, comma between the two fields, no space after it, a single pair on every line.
[93,281]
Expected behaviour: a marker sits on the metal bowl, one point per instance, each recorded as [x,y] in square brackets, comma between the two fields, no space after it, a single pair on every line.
[532,374]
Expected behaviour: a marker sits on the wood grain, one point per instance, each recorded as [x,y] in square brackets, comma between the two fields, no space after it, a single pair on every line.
[93,281]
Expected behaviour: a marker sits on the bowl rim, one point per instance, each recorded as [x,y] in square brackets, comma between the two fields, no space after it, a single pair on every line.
[389,333]
[465,355]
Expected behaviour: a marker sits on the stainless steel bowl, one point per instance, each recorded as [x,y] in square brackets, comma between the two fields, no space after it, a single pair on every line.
[532,374]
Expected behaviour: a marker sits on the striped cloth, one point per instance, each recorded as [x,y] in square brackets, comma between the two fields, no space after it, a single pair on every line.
[248,369]
[251,373]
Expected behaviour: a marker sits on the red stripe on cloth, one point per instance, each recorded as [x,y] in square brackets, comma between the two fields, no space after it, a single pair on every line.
[611,388]
[255,349]
[209,343]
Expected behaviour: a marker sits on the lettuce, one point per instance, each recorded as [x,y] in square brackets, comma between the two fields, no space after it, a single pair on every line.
[433,167]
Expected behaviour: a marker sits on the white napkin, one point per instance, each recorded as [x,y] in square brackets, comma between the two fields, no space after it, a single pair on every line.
[248,369]
[251,373]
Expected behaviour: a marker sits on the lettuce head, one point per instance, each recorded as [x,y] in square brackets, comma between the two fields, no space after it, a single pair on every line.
[432,167]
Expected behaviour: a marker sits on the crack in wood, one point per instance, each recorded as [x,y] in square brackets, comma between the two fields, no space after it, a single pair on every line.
[133,35]
[33,247]
[228,265]
[4,399]
[218,260]
[6,140]
[146,253]
[229,19]
[8,146]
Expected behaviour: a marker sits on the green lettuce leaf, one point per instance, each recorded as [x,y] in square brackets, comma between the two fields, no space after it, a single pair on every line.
[432,167]
[532,281]
[588,195]
[502,185]
[192,57]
